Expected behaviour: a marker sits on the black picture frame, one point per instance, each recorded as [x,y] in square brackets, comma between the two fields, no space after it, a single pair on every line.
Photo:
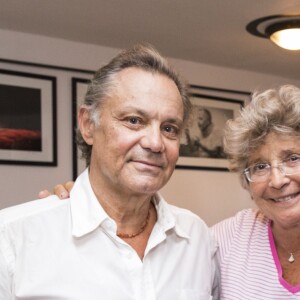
[79,87]
[200,152]
[28,129]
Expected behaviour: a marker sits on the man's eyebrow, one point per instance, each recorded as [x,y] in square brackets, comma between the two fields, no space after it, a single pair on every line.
[144,113]
[175,121]
[134,110]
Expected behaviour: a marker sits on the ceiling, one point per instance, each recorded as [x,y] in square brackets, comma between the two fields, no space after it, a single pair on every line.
[206,31]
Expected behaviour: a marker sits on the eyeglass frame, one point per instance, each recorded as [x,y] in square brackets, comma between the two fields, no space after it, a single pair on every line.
[280,166]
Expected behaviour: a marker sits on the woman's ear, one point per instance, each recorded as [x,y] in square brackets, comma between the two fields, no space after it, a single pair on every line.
[86,125]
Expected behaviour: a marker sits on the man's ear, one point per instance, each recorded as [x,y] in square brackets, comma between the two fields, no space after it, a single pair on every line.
[86,125]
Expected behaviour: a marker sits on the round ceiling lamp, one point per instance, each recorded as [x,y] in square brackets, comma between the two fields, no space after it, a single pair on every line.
[282,30]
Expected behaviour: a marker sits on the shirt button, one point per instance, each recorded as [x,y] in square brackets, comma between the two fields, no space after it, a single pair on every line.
[108,224]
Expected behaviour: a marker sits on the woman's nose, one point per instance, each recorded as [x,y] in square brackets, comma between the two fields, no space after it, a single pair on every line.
[277,178]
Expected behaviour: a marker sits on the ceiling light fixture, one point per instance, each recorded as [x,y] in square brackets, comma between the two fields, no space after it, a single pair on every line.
[282,30]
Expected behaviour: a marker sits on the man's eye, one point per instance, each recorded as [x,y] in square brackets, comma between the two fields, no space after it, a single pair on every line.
[134,120]
[172,130]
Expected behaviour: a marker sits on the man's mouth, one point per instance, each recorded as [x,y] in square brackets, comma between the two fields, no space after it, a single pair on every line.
[149,163]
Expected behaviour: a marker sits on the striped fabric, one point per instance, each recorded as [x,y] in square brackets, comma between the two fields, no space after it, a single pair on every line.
[248,264]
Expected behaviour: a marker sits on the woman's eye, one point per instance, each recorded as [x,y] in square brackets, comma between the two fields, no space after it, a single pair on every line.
[294,158]
[260,167]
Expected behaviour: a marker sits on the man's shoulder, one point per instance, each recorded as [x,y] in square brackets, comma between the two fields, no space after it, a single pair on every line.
[192,226]
[30,209]
[182,211]
[187,217]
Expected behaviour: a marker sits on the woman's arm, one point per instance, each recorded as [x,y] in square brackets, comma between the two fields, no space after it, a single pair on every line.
[60,190]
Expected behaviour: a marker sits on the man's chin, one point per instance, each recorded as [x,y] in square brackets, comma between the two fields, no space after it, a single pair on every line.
[147,185]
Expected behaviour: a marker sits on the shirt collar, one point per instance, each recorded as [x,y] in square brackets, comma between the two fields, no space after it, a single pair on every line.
[168,219]
[88,214]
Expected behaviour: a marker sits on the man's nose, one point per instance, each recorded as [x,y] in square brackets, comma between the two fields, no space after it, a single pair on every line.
[153,139]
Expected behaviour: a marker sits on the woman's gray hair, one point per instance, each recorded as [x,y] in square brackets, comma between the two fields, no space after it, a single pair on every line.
[274,110]
[143,56]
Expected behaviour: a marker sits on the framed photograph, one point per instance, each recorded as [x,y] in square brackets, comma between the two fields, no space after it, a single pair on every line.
[201,144]
[79,87]
[27,119]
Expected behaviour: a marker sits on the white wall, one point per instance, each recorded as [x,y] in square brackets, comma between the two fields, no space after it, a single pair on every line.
[212,195]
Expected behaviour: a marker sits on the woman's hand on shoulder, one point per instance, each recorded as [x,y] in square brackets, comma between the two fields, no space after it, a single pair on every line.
[60,190]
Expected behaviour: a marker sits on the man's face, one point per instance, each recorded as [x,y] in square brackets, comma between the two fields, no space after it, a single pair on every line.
[136,145]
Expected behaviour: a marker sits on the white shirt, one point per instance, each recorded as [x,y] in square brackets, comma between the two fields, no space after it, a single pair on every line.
[52,249]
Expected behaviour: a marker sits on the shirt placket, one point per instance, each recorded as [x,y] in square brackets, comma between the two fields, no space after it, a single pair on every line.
[139,273]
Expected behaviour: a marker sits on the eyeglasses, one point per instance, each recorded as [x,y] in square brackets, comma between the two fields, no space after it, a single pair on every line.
[261,172]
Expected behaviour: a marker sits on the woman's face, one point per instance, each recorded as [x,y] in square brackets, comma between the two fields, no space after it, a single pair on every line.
[279,195]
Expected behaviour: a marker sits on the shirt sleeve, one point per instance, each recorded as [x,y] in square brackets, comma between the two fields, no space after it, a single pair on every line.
[5,274]
[226,231]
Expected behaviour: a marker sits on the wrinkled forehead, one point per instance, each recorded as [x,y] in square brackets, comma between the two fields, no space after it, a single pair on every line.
[145,90]
[275,146]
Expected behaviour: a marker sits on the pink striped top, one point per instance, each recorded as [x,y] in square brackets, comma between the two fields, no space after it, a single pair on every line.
[250,268]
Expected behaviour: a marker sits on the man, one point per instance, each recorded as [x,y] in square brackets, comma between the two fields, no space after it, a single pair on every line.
[116,237]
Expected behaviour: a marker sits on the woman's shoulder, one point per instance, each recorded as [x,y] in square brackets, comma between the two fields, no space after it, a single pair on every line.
[237,231]
[243,221]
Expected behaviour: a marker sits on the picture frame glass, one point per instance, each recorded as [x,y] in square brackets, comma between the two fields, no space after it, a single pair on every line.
[201,144]
[27,118]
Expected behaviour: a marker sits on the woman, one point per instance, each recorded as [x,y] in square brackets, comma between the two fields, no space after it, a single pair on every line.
[260,249]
